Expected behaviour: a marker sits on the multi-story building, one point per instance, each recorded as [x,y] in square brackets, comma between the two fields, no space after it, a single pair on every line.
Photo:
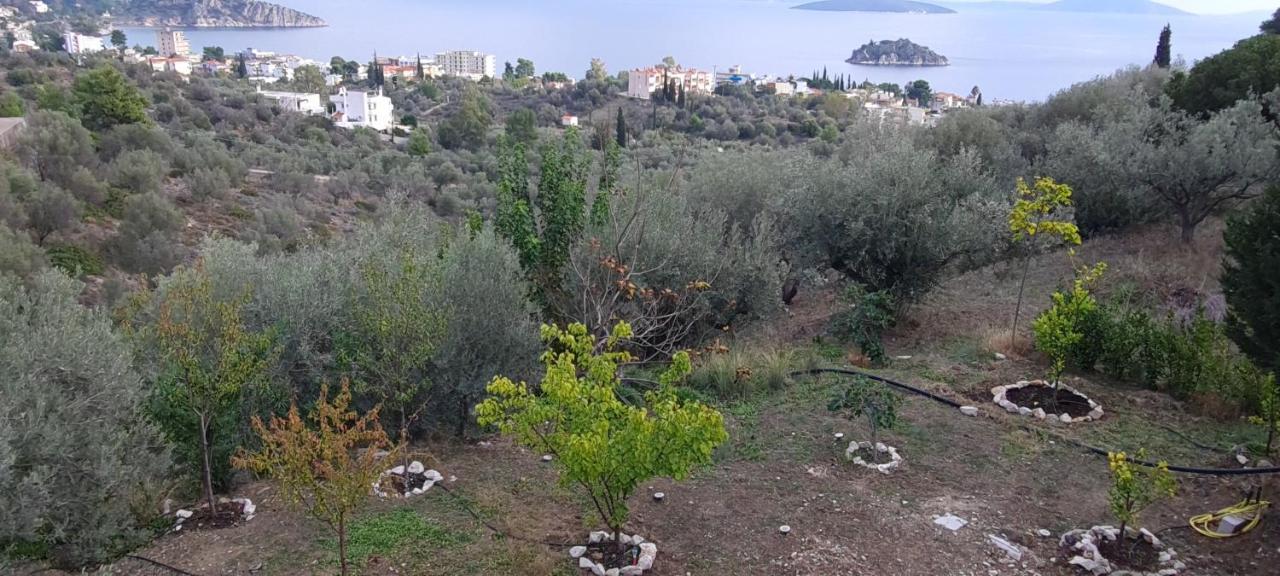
[179,64]
[82,44]
[300,102]
[172,43]
[466,63]
[734,76]
[359,108]
[643,82]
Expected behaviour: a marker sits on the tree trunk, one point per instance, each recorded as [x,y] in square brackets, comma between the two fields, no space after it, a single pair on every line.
[462,416]
[1188,230]
[1017,310]
[617,541]
[208,464]
[342,542]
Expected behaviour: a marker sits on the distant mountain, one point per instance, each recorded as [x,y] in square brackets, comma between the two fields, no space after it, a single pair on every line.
[1094,6]
[900,52]
[875,6]
[211,14]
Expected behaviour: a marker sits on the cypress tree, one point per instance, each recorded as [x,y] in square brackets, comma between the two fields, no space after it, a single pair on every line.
[242,68]
[680,100]
[1164,49]
[621,132]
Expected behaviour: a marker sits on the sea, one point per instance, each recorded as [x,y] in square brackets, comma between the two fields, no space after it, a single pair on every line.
[1010,55]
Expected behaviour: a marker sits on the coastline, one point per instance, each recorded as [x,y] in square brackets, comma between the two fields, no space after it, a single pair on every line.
[896,64]
[153,26]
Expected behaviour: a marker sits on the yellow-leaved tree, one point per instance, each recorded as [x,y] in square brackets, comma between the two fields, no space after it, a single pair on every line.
[601,444]
[325,469]
[1038,215]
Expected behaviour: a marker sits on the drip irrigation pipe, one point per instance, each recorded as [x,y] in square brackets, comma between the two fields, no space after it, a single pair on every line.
[1072,441]
[160,564]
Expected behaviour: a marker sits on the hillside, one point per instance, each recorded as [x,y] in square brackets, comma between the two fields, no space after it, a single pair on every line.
[901,52]
[213,14]
[1085,6]
[899,6]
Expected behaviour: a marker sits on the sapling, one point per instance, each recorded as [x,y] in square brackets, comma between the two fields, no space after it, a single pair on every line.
[1059,329]
[1135,488]
[600,443]
[326,468]
[1037,213]
[864,397]
[1269,410]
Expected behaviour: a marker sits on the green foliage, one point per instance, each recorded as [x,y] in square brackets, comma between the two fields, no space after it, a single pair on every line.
[18,255]
[863,321]
[147,239]
[55,146]
[138,171]
[1038,211]
[740,375]
[1271,26]
[864,397]
[419,143]
[522,126]
[51,209]
[1133,488]
[11,105]
[1216,83]
[106,98]
[75,260]
[79,467]
[468,126]
[1268,413]
[920,92]
[1059,329]
[383,534]
[1164,51]
[1249,280]
[601,444]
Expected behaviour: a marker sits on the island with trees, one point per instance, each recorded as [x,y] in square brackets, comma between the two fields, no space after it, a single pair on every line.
[901,52]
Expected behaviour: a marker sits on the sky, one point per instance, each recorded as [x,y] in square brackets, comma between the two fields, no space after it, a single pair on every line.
[1207,6]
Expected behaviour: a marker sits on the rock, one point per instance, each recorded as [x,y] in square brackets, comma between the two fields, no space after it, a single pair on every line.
[1039,413]
[598,537]
[839,435]
[901,357]
[418,490]
[626,540]
[648,553]
[1165,557]
[1150,538]
[1001,357]
[784,529]
[1242,459]
[658,496]
[416,467]
[577,551]
[969,410]
[1066,418]
[1009,548]
[637,539]
[546,457]
[950,522]
[435,476]
[880,447]
[612,572]
[585,563]
[398,470]
[1044,533]
[1096,413]
[1089,565]
[630,571]
[597,569]
[1024,411]
[184,514]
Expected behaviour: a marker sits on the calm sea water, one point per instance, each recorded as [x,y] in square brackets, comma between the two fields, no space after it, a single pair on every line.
[1013,55]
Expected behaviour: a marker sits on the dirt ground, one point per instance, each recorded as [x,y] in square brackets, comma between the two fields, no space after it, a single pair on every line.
[1005,475]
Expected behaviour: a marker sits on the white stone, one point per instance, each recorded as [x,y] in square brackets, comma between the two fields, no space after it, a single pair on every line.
[880,447]
[418,490]
[648,553]
[597,569]
[1039,413]
[577,551]
[950,522]
[658,496]
[637,539]
[434,476]
[416,467]
[626,540]
[630,571]
[1009,548]
[784,529]
[1242,459]
[611,572]
[585,563]
[546,457]
[1044,533]
[1000,356]
[901,357]
[184,514]
[1066,418]
[1024,411]
[398,470]
[1087,564]
[969,410]
[1096,413]
[839,435]
[598,537]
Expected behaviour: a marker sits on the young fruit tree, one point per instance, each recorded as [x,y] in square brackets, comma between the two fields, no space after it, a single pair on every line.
[866,397]
[1269,410]
[1134,488]
[210,357]
[1059,329]
[1038,214]
[601,444]
[325,468]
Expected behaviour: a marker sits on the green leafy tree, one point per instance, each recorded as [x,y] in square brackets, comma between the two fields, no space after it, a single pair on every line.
[209,356]
[1215,83]
[863,323]
[242,67]
[1249,280]
[468,126]
[1164,51]
[51,209]
[214,54]
[1272,26]
[601,444]
[921,92]
[317,466]
[863,397]
[1039,215]
[1060,329]
[310,79]
[118,39]
[1268,415]
[55,146]
[106,98]
[522,126]
[338,65]
[524,68]
[11,105]
[419,143]
[597,72]
[1133,488]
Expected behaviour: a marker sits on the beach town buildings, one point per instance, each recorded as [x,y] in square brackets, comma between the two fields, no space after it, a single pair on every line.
[643,82]
[466,63]
[39,6]
[82,43]
[172,43]
[300,102]
[362,108]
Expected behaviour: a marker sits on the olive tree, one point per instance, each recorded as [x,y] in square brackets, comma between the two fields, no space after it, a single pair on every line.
[77,460]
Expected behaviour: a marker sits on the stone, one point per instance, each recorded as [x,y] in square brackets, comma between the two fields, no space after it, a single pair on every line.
[637,539]
[585,563]
[1001,357]
[1039,413]
[434,476]
[1009,548]
[416,467]
[598,537]
[1009,407]
[901,357]
[648,553]
[184,514]
[1044,533]
[1096,413]
[1151,538]
[577,551]
[1066,418]
[950,522]
[597,569]
[1089,565]
[1165,557]
[1242,459]
[546,457]
[969,410]
[880,447]
[784,529]
[398,470]
[658,496]
[626,540]
[630,571]
[839,435]
[612,572]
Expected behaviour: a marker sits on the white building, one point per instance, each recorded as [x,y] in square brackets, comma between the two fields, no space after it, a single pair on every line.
[358,108]
[466,63]
[300,102]
[734,76]
[568,120]
[172,43]
[82,44]
[39,6]
[643,82]
[178,64]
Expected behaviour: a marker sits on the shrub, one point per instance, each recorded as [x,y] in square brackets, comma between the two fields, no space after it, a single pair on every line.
[867,315]
[1248,280]
[55,146]
[138,171]
[18,255]
[147,240]
[1060,329]
[76,492]
[75,260]
[739,374]
[51,209]
[207,183]
[864,397]
[600,443]
[1133,488]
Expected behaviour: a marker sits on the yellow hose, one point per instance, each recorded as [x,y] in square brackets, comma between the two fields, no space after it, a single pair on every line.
[1253,509]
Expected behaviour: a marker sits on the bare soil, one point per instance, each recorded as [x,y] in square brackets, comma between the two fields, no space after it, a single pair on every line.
[1131,554]
[1052,400]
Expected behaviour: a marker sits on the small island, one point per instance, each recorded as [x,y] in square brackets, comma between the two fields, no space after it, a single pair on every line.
[212,14]
[900,52]
[895,6]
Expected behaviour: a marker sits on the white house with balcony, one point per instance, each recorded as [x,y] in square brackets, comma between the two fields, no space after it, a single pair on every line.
[83,44]
[360,108]
[300,102]
[643,82]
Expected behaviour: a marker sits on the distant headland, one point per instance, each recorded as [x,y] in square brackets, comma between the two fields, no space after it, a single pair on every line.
[901,52]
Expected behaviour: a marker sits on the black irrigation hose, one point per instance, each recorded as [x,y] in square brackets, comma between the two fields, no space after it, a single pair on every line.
[495,529]
[160,564]
[1072,441]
